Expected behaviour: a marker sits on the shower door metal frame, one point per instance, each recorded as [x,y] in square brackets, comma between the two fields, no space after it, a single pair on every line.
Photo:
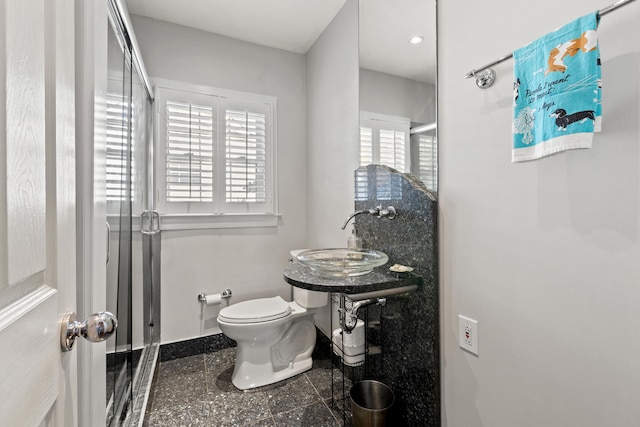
[141,378]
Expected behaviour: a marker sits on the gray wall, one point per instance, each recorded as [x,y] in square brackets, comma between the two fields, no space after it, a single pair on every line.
[248,261]
[544,254]
[396,96]
[332,130]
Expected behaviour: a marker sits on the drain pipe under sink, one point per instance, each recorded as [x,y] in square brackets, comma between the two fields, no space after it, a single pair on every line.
[349,312]
[350,318]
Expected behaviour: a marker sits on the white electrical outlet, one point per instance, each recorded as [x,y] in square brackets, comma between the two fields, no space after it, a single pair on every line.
[468,334]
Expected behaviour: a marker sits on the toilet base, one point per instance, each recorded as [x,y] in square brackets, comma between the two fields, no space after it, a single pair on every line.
[274,350]
[247,375]
[258,364]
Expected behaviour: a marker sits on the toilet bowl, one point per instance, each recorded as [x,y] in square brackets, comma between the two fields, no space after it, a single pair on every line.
[275,338]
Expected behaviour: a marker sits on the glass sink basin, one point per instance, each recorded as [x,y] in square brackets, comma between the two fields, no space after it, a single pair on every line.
[342,262]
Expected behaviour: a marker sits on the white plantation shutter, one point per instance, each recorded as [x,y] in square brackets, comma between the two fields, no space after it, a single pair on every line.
[392,148]
[215,154]
[366,146]
[384,140]
[245,157]
[189,152]
[427,161]
[117,135]
[361,184]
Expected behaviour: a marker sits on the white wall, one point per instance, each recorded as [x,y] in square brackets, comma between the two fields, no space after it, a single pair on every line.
[248,261]
[545,255]
[332,130]
[396,96]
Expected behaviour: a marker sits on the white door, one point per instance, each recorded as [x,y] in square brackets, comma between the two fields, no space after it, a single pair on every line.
[38,383]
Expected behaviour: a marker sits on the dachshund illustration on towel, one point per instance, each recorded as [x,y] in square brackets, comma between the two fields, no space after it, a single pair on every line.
[586,43]
[563,119]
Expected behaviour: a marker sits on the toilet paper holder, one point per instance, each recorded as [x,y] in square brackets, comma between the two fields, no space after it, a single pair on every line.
[202,297]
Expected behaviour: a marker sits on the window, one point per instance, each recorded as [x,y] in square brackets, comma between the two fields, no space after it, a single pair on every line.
[366,146]
[382,185]
[427,160]
[117,133]
[384,140]
[189,152]
[120,128]
[215,154]
[126,147]
[245,156]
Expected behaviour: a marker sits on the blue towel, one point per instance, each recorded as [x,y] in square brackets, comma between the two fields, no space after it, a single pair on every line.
[556,91]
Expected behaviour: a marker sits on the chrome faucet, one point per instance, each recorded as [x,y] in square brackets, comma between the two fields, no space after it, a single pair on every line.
[389,212]
[356,213]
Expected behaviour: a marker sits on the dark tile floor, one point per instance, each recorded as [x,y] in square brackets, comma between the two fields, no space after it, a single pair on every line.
[197,391]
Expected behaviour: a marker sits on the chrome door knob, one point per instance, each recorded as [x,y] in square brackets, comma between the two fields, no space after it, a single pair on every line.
[98,327]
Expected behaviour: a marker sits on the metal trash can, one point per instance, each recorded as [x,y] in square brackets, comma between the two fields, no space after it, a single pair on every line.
[371,402]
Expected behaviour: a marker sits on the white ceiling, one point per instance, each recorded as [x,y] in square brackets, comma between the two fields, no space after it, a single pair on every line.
[294,25]
[385,29]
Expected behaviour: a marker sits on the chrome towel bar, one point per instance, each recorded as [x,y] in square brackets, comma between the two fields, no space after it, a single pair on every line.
[485,76]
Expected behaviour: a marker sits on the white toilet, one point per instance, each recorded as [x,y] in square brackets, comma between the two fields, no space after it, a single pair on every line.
[275,338]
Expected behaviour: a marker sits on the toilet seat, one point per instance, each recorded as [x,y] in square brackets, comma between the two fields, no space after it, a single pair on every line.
[256,310]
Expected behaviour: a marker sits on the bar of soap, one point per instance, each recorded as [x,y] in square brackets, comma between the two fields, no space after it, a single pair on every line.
[398,268]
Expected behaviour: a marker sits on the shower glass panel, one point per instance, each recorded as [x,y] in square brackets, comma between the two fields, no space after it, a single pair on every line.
[131,355]
[119,220]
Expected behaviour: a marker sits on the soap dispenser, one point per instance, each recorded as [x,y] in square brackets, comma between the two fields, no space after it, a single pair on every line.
[354,242]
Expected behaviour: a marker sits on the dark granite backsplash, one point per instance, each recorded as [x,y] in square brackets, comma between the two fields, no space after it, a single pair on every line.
[410,326]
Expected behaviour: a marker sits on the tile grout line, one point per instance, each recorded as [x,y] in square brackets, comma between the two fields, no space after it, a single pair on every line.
[273,419]
[331,412]
[312,385]
[321,398]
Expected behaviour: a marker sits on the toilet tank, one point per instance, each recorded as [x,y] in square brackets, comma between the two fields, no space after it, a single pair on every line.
[310,299]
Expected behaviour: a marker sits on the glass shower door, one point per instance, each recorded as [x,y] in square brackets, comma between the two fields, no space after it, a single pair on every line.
[133,266]
[119,193]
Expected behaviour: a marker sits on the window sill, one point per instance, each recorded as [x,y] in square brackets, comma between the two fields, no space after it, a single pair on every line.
[113,220]
[208,221]
[170,222]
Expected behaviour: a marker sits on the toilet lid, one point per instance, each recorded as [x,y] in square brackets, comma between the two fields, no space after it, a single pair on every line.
[256,310]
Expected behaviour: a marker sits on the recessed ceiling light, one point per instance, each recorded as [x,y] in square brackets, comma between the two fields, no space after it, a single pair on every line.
[416,39]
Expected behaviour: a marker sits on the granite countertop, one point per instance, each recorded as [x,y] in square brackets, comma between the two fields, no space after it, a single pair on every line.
[303,277]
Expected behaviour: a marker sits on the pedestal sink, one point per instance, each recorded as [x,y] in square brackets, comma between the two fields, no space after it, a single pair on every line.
[337,262]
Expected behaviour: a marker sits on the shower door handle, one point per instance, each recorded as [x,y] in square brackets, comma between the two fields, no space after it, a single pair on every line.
[108,242]
[150,222]
[98,327]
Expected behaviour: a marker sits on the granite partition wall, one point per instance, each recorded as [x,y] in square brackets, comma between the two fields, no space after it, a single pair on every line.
[409,325]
